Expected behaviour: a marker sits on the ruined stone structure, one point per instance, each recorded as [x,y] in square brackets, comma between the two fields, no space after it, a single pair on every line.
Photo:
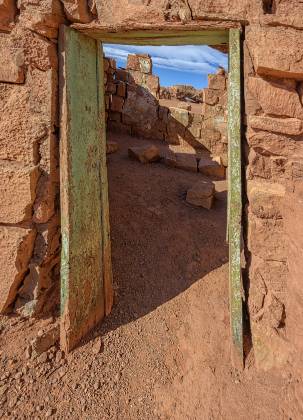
[134,107]
[272,148]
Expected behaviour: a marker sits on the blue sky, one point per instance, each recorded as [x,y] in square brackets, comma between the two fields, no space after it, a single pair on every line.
[187,64]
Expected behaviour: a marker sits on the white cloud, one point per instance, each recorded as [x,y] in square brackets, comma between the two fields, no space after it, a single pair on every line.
[190,58]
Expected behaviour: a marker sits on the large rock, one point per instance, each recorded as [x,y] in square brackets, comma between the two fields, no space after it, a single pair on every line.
[201,194]
[18,192]
[276,51]
[16,247]
[144,154]
[276,99]
[140,109]
[291,126]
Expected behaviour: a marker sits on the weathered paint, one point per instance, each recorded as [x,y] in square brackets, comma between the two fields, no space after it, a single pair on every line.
[82,287]
[235,196]
[218,37]
[107,261]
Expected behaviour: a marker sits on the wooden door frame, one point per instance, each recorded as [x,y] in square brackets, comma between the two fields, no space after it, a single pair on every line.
[215,37]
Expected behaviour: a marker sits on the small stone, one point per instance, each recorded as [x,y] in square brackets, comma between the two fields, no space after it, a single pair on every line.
[97,385]
[211,168]
[97,346]
[144,154]
[201,194]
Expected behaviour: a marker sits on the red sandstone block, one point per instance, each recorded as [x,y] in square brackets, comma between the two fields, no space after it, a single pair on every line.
[216,81]
[18,192]
[276,99]
[140,62]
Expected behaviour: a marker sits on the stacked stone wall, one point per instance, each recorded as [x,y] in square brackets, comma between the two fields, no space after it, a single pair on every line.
[134,107]
[272,147]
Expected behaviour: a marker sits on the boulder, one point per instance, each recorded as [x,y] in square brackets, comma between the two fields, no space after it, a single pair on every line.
[201,194]
[144,154]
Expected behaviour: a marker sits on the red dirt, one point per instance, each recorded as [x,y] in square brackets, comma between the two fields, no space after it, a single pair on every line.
[166,351]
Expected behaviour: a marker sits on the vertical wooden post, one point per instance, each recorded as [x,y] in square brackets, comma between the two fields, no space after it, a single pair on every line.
[235,197]
[81,178]
[107,260]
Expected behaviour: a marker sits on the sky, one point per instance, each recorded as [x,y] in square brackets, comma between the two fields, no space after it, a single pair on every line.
[186,64]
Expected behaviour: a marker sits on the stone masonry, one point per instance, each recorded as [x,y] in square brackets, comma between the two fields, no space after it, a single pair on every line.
[272,148]
[134,107]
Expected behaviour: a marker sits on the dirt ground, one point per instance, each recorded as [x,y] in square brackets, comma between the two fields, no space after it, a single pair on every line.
[165,348]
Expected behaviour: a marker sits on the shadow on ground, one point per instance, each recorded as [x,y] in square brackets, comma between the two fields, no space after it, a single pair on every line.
[160,244]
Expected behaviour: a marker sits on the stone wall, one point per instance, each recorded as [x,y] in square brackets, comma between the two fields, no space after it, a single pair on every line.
[272,147]
[134,107]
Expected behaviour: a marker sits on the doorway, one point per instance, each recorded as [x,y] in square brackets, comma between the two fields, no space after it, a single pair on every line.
[86,274]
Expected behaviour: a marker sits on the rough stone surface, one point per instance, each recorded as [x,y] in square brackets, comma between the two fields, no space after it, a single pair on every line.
[45,340]
[7,14]
[77,11]
[210,168]
[275,98]
[16,249]
[276,51]
[291,126]
[144,154]
[18,192]
[11,61]
[140,62]
[266,199]
[201,194]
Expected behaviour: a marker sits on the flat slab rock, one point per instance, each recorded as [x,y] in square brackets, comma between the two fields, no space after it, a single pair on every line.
[144,154]
[201,194]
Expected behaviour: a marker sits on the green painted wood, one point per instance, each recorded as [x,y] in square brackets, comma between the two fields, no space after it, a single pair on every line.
[107,261]
[235,196]
[82,288]
[166,37]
